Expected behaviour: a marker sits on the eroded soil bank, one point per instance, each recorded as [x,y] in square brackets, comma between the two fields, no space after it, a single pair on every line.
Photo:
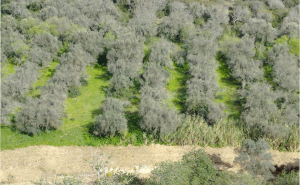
[24,165]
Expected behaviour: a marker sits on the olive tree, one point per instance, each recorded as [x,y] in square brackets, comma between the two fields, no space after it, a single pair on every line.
[157,117]
[284,67]
[154,75]
[255,159]
[47,43]
[112,120]
[260,29]
[16,85]
[125,58]
[240,13]
[161,52]
[39,115]
[172,25]
[290,24]
[90,41]
[239,58]
[275,4]
[48,12]
[144,20]
[38,56]
[261,114]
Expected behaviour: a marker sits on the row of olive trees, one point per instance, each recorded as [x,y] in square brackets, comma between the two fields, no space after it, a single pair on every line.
[202,48]
[157,117]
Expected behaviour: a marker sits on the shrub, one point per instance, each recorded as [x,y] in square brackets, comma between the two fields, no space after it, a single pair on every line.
[73,91]
[195,168]
[285,178]
[254,159]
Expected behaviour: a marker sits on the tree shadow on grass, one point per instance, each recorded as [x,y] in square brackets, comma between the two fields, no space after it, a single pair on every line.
[181,95]
[233,100]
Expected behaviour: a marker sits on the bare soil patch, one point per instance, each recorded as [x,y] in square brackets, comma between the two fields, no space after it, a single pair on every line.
[24,165]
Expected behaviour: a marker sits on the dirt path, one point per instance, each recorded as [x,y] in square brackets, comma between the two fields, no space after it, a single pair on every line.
[30,164]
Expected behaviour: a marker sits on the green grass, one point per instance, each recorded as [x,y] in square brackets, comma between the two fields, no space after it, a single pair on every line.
[177,87]
[45,75]
[227,93]
[7,69]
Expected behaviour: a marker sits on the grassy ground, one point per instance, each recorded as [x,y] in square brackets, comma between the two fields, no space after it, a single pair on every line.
[177,87]
[45,75]
[228,90]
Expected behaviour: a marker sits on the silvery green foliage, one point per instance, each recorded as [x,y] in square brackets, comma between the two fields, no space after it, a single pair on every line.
[216,17]
[10,41]
[26,24]
[63,8]
[155,75]
[275,4]
[239,58]
[47,43]
[284,67]
[160,53]
[285,71]
[157,117]
[256,5]
[261,114]
[8,106]
[90,41]
[119,82]
[38,56]
[61,24]
[240,13]
[275,52]
[48,12]
[95,9]
[197,9]
[173,24]
[144,20]
[158,93]
[18,9]
[64,28]
[3,59]
[72,66]
[255,159]
[260,29]
[263,14]
[290,24]
[38,115]
[16,85]
[109,23]
[112,120]
[155,4]
[177,6]
[218,14]
[9,23]
[125,58]
[56,92]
